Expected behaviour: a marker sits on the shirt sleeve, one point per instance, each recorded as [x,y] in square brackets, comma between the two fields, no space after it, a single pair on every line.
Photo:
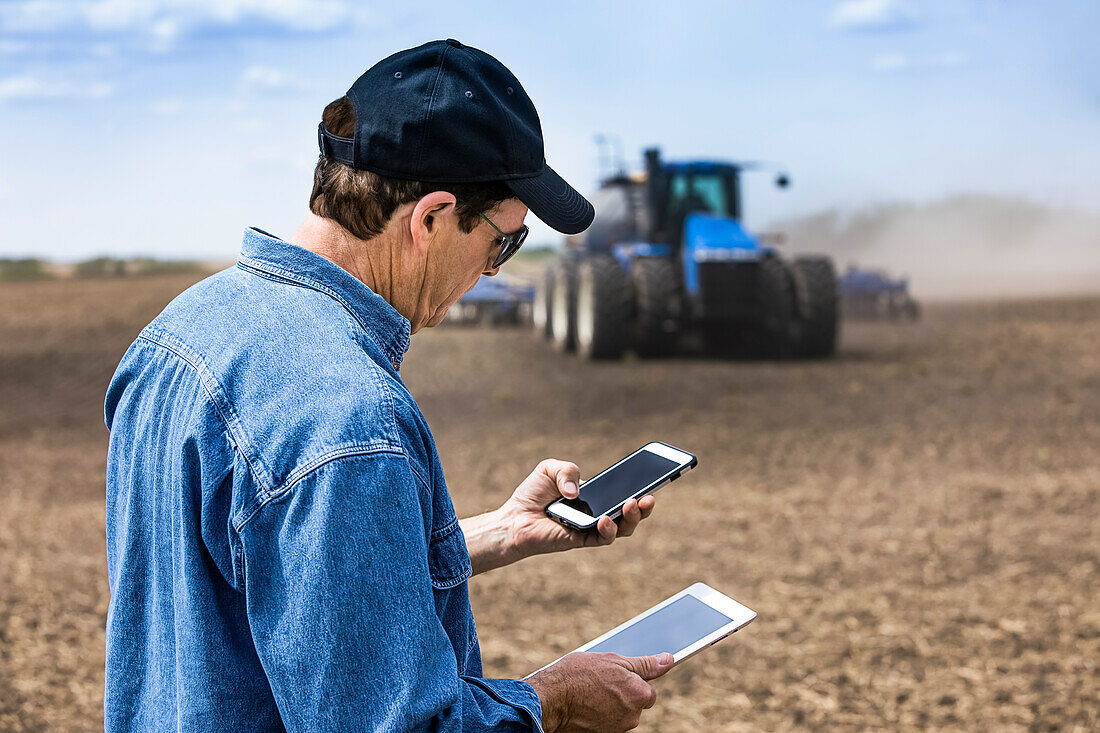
[342,610]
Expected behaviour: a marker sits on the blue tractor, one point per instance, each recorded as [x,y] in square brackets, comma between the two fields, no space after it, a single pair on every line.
[666,262]
[874,295]
[493,301]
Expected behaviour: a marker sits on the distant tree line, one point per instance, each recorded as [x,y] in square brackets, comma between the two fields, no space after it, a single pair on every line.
[31,268]
[27,268]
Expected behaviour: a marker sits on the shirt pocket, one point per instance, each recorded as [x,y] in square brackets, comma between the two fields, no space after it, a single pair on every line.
[448,558]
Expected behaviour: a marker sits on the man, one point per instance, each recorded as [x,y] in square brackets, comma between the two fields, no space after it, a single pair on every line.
[282,549]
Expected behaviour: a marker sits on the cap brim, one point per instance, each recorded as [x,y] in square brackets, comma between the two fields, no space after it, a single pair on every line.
[554,201]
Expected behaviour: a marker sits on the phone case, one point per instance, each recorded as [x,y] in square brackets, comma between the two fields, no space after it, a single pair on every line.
[617,514]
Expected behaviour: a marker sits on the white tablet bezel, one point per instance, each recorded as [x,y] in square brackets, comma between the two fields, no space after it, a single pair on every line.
[740,616]
[578,518]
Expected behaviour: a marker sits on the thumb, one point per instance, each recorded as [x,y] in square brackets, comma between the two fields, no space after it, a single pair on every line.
[651,667]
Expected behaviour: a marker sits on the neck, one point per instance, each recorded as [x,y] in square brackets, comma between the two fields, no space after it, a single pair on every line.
[376,263]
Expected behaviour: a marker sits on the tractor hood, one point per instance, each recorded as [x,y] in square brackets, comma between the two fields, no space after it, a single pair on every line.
[710,238]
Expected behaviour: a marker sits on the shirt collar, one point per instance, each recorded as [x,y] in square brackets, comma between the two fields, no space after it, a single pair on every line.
[288,262]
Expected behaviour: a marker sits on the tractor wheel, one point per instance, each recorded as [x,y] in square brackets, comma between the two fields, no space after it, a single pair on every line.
[541,308]
[817,328]
[563,306]
[657,302]
[486,315]
[777,332]
[603,309]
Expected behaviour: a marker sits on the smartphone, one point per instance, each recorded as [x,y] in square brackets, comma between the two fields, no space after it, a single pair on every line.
[642,472]
[682,625]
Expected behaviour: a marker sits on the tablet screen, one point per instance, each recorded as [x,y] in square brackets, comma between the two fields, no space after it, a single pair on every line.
[676,626]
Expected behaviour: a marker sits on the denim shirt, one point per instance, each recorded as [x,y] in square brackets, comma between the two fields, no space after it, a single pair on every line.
[281,548]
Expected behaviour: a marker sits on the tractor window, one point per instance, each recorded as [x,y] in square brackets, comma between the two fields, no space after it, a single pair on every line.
[712,190]
[707,194]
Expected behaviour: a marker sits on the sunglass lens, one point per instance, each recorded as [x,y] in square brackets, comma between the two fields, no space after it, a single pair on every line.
[510,244]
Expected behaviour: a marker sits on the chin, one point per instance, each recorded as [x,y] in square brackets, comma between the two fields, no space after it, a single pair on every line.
[437,318]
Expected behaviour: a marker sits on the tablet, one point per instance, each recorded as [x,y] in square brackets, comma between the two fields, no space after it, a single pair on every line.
[682,625]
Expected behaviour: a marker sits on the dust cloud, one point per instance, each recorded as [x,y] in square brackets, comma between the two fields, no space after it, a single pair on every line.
[962,247]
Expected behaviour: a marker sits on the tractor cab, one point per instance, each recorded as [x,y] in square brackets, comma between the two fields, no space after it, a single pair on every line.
[676,190]
[649,210]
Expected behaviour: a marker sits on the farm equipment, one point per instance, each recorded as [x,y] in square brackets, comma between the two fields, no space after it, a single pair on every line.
[874,295]
[492,302]
[666,257]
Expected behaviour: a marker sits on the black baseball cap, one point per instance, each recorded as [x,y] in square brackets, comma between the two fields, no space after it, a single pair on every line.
[445,112]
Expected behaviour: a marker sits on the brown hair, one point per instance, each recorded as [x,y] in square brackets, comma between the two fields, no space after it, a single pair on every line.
[363,202]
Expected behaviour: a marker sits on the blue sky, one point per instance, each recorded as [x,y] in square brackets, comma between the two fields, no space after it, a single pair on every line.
[165,127]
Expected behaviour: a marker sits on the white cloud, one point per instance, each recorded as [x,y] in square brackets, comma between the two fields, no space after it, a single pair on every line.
[50,49]
[268,79]
[949,59]
[892,62]
[27,87]
[872,15]
[169,107]
[889,62]
[13,48]
[166,19]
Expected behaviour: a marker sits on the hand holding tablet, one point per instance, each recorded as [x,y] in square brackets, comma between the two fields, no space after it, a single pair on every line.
[605,683]
[681,625]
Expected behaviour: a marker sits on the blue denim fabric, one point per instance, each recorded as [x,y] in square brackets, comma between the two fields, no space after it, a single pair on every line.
[281,547]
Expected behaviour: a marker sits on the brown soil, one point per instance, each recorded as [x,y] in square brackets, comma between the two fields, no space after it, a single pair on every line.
[915,521]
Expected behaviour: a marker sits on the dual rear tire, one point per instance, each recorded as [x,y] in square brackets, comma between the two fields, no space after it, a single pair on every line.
[563,306]
[658,301]
[587,307]
[603,309]
[540,308]
[819,307]
[593,307]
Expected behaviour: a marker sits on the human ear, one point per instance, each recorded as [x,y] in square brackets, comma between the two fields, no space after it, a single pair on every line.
[427,216]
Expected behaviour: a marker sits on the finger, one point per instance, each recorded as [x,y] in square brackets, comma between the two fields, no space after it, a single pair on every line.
[565,475]
[646,504]
[607,530]
[632,514]
[577,538]
[651,700]
[648,668]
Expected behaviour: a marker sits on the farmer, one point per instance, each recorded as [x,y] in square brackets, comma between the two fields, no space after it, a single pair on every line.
[281,547]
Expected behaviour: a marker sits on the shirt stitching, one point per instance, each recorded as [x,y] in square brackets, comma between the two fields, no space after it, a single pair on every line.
[536,714]
[426,488]
[222,404]
[299,475]
[274,272]
[461,571]
[447,529]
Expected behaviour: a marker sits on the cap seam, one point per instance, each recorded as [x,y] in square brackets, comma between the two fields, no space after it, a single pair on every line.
[507,124]
[428,110]
[459,179]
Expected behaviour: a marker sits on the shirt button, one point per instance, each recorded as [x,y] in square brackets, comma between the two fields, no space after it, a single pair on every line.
[395,365]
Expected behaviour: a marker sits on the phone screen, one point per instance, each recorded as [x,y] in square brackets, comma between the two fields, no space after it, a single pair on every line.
[612,487]
[676,626]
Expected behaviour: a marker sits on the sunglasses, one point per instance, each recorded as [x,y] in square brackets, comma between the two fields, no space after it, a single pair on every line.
[509,242]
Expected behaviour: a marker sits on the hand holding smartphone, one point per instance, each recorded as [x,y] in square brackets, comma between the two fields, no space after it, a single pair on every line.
[642,472]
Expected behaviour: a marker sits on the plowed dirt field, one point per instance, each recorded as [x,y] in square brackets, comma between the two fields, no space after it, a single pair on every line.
[917,522]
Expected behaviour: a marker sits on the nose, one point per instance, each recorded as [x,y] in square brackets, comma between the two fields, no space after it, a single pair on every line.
[491,271]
